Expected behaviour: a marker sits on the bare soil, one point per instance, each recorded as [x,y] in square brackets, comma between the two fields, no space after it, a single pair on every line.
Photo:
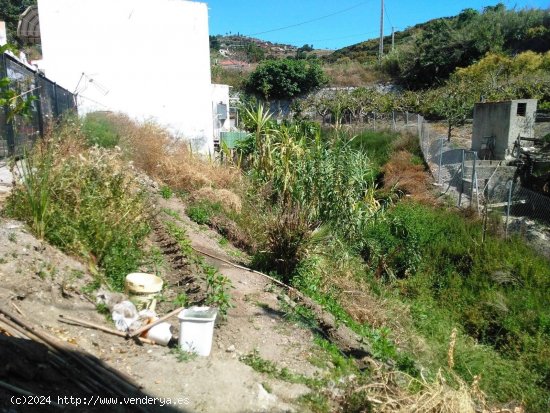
[39,283]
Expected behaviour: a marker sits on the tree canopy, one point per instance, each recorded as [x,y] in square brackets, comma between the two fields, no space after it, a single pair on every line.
[10,11]
[285,78]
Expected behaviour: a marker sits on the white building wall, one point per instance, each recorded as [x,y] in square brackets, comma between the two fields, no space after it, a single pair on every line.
[147,58]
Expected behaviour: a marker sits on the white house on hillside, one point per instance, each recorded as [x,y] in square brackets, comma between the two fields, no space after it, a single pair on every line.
[147,58]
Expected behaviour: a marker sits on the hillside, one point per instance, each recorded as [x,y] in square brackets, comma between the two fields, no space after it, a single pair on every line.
[427,53]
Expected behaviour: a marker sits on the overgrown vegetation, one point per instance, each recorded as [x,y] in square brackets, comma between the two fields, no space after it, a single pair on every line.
[97,128]
[335,224]
[85,200]
[496,290]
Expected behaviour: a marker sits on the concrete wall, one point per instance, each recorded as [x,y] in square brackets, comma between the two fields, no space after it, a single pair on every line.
[500,120]
[149,59]
[522,125]
[491,119]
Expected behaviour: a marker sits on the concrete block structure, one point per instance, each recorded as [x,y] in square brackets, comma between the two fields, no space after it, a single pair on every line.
[149,59]
[220,110]
[497,125]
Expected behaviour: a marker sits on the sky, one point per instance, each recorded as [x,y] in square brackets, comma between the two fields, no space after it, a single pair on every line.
[334,24]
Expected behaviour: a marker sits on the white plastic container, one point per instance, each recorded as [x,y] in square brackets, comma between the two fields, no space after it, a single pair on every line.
[197,329]
[160,333]
[142,289]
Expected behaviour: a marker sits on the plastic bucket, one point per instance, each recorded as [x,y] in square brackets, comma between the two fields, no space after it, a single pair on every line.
[142,289]
[197,329]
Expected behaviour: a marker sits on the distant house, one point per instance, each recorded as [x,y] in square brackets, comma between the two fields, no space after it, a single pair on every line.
[233,64]
[149,59]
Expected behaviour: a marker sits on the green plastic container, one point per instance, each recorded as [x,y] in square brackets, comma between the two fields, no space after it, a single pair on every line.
[231,138]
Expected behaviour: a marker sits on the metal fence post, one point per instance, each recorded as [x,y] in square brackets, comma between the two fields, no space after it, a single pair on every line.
[461,178]
[38,87]
[441,140]
[509,185]
[474,177]
[10,132]
[55,103]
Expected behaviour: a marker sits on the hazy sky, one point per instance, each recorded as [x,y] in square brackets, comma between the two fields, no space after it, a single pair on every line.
[334,24]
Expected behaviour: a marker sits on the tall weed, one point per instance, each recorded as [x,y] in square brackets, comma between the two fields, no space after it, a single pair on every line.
[95,206]
[35,176]
[325,176]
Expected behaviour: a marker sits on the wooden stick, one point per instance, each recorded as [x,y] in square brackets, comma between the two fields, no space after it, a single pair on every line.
[56,355]
[24,333]
[10,330]
[17,308]
[276,281]
[23,392]
[87,361]
[15,389]
[84,323]
[154,323]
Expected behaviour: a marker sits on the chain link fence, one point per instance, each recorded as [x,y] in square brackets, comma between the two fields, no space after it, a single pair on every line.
[48,102]
[492,188]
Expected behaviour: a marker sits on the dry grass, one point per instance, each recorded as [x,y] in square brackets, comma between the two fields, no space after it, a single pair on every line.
[395,391]
[350,73]
[228,200]
[170,160]
[410,179]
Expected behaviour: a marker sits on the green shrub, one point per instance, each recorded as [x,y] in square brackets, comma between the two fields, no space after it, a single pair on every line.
[166,192]
[202,211]
[285,78]
[35,173]
[99,130]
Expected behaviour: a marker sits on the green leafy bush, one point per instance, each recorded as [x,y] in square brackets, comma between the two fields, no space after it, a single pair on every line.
[285,78]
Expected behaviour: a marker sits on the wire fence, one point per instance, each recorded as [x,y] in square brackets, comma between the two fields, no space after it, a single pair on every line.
[493,188]
[47,102]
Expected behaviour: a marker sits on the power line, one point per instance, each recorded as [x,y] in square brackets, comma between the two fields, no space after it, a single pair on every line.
[310,21]
[337,38]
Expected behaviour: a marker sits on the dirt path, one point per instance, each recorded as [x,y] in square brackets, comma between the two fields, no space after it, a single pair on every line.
[44,283]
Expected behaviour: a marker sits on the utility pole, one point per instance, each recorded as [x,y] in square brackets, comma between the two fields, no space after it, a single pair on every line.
[381,47]
[392,38]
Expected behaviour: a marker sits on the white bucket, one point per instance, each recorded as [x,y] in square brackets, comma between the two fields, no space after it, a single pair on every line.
[142,289]
[197,329]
